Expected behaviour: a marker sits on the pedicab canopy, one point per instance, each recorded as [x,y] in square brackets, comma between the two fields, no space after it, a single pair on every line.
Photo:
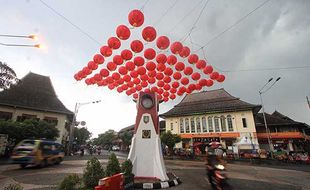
[152,63]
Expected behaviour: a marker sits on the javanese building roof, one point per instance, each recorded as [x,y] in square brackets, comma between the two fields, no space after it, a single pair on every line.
[33,92]
[214,101]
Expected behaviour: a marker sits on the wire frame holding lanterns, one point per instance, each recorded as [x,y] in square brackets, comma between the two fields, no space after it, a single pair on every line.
[168,68]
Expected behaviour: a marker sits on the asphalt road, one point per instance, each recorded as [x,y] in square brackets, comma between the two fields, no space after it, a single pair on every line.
[191,173]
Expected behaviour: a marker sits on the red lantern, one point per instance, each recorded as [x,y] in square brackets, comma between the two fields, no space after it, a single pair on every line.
[133,90]
[188,91]
[202,82]
[128,92]
[136,81]
[119,89]
[167,79]
[166,99]
[106,51]
[87,81]
[124,87]
[196,76]
[163,42]
[208,69]
[118,60]
[139,61]
[135,96]
[201,64]
[134,74]
[173,90]
[126,78]
[214,75]
[116,76]
[130,84]
[76,77]
[136,46]
[159,76]
[149,33]
[149,53]
[109,80]
[192,87]
[152,73]
[184,81]
[86,71]
[138,87]
[161,58]
[176,47]
[161,67]
[185,52]
[136,18]
[120,81]
[151,80]
[167,87]
[126,54]
[172,96]
[172,59]
[209,83]
[154,89]
[160,83]
[166,94]
[179,66]
[160,91]
[104,72]
[177,75]
[193,58]
[122,32]
[122,70]
[221,78]
[182,89]
[111,86]
[102,83]
[114,43]
[92,65]
[98,58]
[159,96]
[175,84]
[147,90]
[81,74]
[198,87]
[141,70]
[188,70]
[144,77]
[150,66]
[97,77]
[144,84]
[168,71]
[130,66]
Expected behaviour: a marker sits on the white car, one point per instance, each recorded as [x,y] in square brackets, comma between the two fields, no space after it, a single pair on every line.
[115,148]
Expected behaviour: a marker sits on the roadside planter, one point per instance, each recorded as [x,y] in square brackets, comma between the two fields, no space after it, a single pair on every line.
[129,182]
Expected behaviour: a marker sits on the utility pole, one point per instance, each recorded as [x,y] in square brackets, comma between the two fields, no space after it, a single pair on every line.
[308,101]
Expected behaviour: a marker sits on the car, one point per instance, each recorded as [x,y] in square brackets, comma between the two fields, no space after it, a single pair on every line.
[37,153]
[115,148]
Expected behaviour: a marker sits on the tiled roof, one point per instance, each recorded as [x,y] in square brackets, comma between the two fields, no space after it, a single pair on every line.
[209,102]
[162,125]
[274,120]
[34,92]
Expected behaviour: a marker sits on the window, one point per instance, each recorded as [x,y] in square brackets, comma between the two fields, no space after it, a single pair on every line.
[5,115]
[216,124]
[52,120]
[210,124]
[26,116]
[223,124]
[204,124]
[198,125]
[181,125]
[244,123]
[229,122]
[171,126]
[187,125]
[193,125]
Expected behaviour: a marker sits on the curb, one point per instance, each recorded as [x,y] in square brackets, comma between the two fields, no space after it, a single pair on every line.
[159,185]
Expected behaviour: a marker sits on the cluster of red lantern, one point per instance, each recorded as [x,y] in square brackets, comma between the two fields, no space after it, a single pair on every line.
[131,73]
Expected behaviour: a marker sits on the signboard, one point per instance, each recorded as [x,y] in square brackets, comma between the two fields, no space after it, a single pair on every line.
[3,143]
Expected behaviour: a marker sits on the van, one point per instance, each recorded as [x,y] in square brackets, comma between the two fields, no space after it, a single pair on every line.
[37,153]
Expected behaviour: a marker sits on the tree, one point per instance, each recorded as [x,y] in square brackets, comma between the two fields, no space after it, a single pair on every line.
[113,166]
[106,139]
[126,138]
[7,76]
[170,139]
[81,135]
[92,173]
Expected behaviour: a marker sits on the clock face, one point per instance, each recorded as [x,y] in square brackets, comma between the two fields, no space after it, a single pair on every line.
[147,102]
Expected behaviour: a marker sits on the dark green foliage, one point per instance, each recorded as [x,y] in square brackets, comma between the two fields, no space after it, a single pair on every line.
[113,166]
[92,173]
[7,76]
[126,138]
[71,182]
[81,135]
[13,187]
[105,139]
[127,168]
[170,139]
[18,131]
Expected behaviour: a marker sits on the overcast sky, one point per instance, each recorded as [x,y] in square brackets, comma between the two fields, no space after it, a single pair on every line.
[274,36]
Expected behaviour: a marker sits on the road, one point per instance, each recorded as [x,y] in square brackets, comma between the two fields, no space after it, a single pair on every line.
[191,173]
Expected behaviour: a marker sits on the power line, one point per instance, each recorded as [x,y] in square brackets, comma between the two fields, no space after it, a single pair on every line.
[236,23]
[66,19]
[268,69]
[169,8]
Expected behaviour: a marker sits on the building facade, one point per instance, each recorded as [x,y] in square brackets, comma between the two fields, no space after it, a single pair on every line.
[207,116]
[34,98]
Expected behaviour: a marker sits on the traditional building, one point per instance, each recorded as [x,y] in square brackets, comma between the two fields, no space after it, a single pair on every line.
[34,98]
[214,115]
[284,132]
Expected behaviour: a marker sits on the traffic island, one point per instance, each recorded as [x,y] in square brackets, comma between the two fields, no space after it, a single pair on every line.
[154,183]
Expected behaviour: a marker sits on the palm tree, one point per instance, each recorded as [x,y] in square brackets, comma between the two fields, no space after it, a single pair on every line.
[7,76]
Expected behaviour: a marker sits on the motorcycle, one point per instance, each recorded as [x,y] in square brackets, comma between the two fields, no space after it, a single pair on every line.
[218,177]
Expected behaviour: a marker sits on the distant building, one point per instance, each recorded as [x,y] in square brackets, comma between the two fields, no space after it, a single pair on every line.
[285,133]
[34,98]
[213,116]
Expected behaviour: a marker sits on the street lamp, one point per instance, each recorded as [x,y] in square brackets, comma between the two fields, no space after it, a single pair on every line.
[261,91]
[34,37]
[76,109]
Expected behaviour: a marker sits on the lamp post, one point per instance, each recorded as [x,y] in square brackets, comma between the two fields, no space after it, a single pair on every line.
[261,91]
[34,37]
[76,109]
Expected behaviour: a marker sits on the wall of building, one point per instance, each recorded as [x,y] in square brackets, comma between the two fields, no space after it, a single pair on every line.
[62,119]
